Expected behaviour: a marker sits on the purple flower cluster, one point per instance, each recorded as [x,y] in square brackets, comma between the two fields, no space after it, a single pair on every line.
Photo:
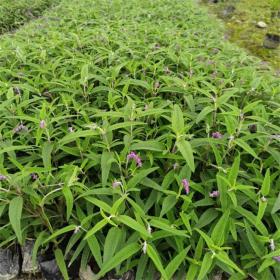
[43,124]
[116,184]
[276,258]
[135,157]
[186,185]
[34,176]
[3,177]
[20,128]
[217,135]
[214,194]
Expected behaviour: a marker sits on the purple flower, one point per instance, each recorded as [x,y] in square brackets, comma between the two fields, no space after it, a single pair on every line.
[186,185]
[3,177]
[214,194]
[217,135]
[20,128]
[135,157]
[34,176]
[43,124]
[276,258]
[16,90]
[116,184]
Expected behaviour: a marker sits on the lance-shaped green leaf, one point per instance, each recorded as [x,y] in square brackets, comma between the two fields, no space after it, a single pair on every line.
[112,240]
[246,147]
[15,212]
[276,205]
[167,204]
[59,232]
[266,183]
[185,149]
[134,225]
[106,161]
[139,177]
[153,254]
[205,266]
[96,228]
[233,173]
[46,155]
[95,249]
[69,201]
[253,240]
[61,263]
[175,263]
[177,120]
[84,75]
[124,254]
[150,145]
[219,233]
[223,257]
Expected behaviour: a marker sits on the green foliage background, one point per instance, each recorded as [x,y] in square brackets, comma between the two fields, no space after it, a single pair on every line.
[154,77]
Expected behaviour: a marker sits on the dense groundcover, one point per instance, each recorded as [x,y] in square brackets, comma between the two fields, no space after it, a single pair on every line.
[133,137]
[14,13]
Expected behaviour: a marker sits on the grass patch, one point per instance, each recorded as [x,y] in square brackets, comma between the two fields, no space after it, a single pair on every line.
[15,13]
[133,136]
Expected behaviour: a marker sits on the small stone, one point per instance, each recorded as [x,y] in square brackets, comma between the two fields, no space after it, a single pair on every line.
[50,270]
[227,12]
[261,24]
[271,41]
[26,251]
[218,275]
[86,274]
[9,264]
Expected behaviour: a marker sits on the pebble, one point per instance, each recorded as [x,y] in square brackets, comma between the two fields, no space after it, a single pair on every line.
[50,270]
[261,24]
[86,274]
[26,251]
[9,264]
[271,41]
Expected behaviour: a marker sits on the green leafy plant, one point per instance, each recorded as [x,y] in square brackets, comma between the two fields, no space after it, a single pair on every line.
[129,141]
